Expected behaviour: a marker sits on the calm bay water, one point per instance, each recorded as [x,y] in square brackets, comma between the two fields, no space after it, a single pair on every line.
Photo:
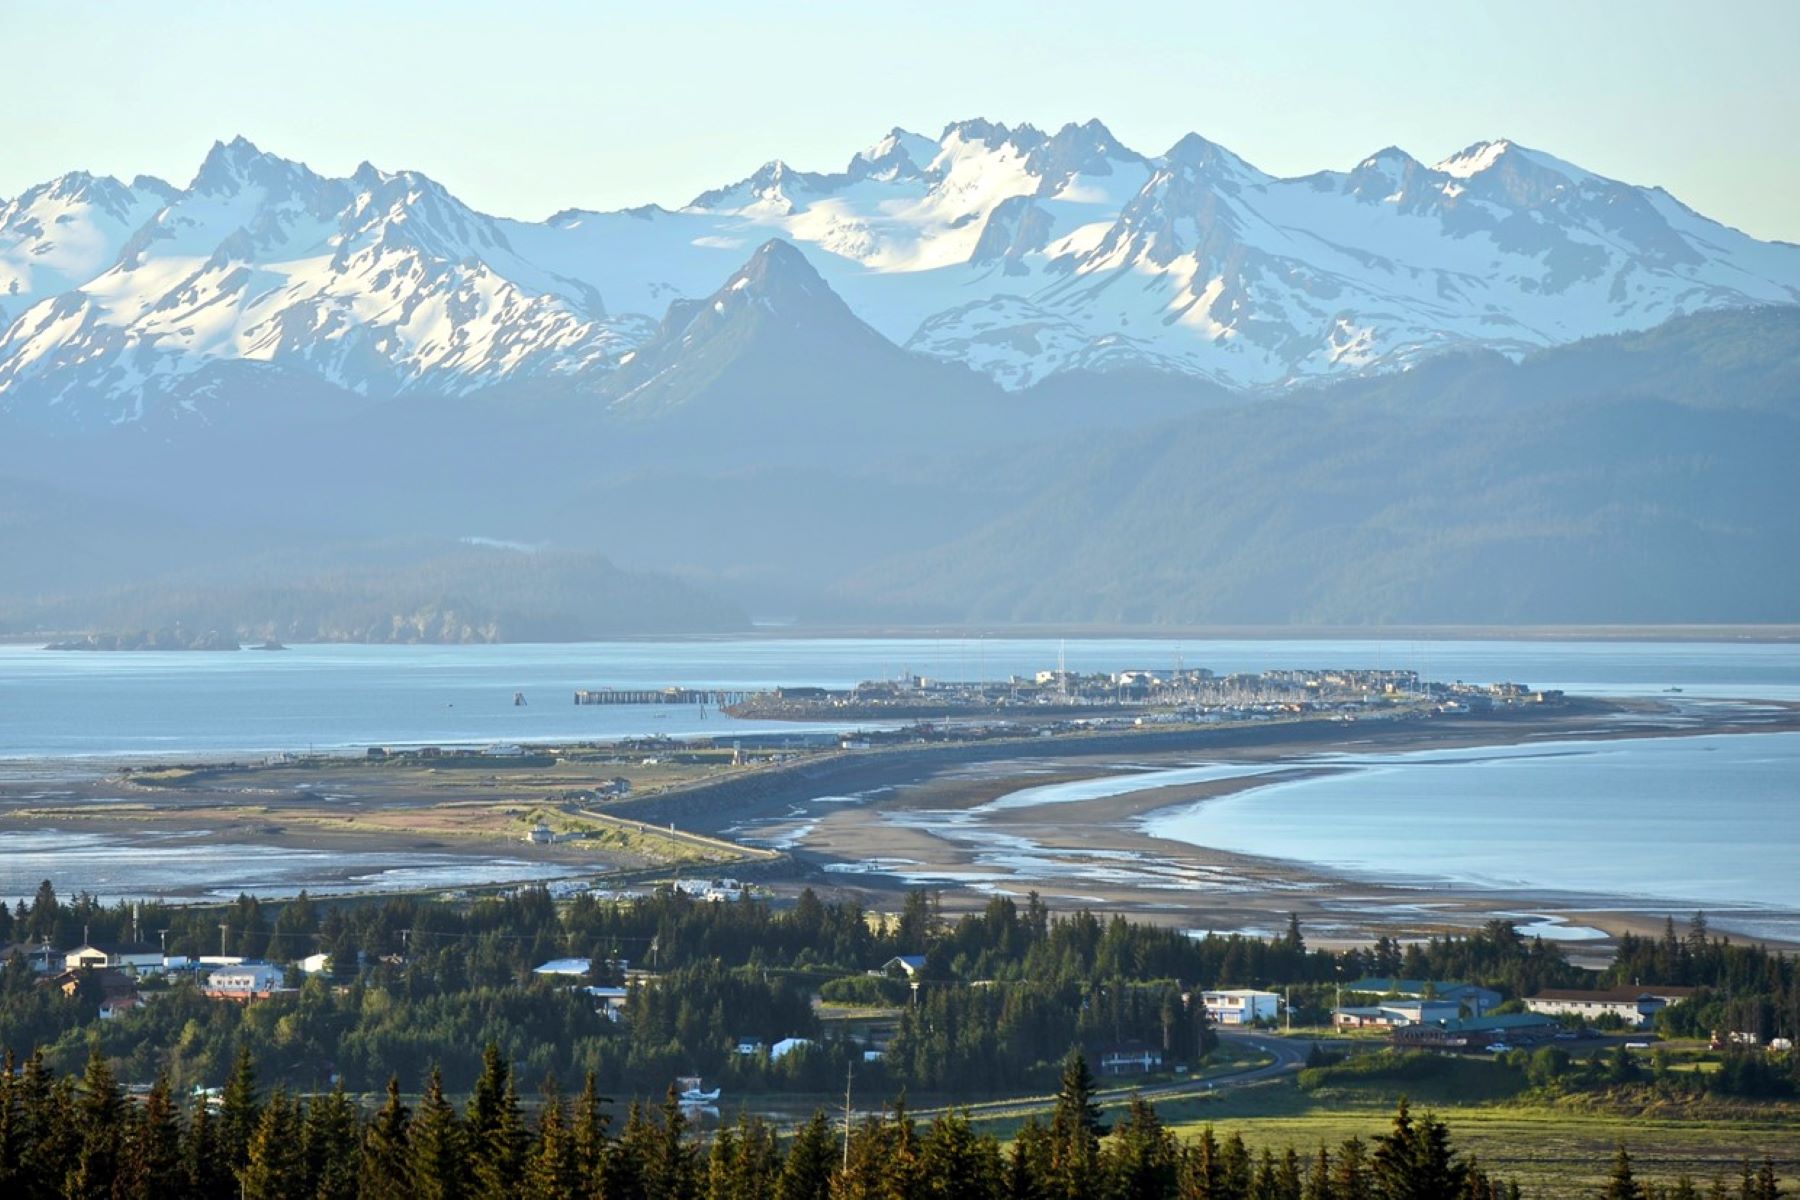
[1711,820]
[1708,820]
[71,704]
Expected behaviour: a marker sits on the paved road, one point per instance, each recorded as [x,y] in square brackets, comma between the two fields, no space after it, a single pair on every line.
[1288,1055]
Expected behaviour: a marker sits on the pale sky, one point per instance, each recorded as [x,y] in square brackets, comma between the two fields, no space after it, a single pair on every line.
[530,106]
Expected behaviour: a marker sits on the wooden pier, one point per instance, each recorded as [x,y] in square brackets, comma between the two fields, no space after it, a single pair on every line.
[668,695]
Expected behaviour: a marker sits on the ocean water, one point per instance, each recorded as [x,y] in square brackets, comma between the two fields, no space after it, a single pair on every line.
[1708,821]
[75,704]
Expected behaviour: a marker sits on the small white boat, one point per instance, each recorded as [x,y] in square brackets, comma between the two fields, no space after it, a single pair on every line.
[689,1091]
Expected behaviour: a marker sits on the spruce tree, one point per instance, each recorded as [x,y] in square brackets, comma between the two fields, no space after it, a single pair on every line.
[495,1130]
[203,1167]
[152,1168]
[1140,1155]
[587,1136]
[238,1113]
[1620,1185]
[437,1151]
[672,1171]
[273,1167]
[1075,1132]
[330,1147]
[552,1171]
[806,1172]
[957,1162]
[1318,1178]
[385,1165]
[100,1117]
[1350,1179]
[1414,1161]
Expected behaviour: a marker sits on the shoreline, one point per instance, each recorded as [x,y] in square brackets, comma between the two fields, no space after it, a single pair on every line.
[872,824]
[1096,852]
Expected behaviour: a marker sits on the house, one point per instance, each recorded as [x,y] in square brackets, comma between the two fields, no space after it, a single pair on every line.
[111,983]
[750,1046]
[1240,1006]
[119,956]
[610,1001]
[541,835]
[37,955]
[787,1046]
[1475,1033]
[908,965]
[1477,1000]
[565,966]
[1132,1058]
[316,964]
[251,981]
[1636,1006]
[1392,1013]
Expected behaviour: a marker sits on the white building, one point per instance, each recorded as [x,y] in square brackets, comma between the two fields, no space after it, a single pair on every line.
[1636,1006]
[316,964]
[139,960]
[246,982]
[1240,1006]
[565,966]
[787,1046]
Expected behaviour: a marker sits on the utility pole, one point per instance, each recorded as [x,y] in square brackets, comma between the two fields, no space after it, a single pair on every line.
[849,1075]
[224,928]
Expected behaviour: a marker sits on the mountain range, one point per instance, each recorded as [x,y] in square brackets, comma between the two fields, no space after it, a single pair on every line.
[1020,257]
[996,377]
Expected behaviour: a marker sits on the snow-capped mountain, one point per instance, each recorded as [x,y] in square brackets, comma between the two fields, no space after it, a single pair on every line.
[1020,254]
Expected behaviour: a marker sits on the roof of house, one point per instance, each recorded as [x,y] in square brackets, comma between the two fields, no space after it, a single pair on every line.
[119,949]
[564,966]
[1616,995]
[914,961]
[1412,987]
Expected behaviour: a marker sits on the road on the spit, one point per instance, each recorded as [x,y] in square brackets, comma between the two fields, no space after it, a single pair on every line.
[1288,1054]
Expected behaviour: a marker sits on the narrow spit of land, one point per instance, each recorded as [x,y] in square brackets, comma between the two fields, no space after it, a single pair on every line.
[626,813]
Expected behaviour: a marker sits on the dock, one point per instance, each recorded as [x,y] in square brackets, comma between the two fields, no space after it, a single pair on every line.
[669,695]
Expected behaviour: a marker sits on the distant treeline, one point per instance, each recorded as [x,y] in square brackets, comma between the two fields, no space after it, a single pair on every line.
[412,593]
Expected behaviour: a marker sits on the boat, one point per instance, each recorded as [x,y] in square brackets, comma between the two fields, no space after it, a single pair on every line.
[518,699]
[689,1091]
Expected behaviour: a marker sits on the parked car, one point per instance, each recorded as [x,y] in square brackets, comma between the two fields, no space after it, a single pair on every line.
[1498,1048]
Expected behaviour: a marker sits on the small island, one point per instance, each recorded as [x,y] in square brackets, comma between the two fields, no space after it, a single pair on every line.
[153,639]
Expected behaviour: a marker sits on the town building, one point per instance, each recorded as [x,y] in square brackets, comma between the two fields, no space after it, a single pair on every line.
[1636,1006]
[1477,1000]
[1240,1006]
[118,956]
[250,981]
[787,1046]
[1393,1013]
[908,965]
[1130,1059]
[37,955]
[1477,1033]
[578,967]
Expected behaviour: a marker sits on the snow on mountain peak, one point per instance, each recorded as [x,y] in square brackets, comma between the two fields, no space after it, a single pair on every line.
[1018,253]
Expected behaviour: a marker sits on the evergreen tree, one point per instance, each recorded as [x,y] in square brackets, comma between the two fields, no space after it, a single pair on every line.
[807,1170]
[437,1151]
[273,1166]
[671,1172]
[152,1168]
[1140,1156]
[238,1113]
[1414,1161]
[1028,1171]
[956,1162]
[330,1147]
[1075,1132]
[385,1166]
[1620,1185]
[1318,1179]
[203,1166]
[587,1128]
[553,1172]
[1350,1176]
[496,1131]
[100,1118]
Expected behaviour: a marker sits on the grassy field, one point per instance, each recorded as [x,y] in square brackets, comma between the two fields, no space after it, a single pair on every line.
[1553,1151]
